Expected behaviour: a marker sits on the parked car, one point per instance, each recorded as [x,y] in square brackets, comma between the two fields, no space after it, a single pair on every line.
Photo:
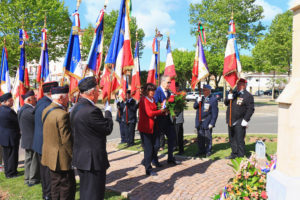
[219,95]
[191,96]
[259,93]
[276,91]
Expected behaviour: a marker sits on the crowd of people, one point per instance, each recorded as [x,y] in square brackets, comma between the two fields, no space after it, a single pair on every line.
[58,140]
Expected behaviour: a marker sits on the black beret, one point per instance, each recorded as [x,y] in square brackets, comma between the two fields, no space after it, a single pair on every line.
[30,93]
[47,86]
[5,97]
[87,83]
[60,90]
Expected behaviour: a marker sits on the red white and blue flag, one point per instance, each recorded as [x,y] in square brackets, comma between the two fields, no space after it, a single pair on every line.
[73,66]
[170,67]
[4,73]
[136,81]
[95,55]
[200,69]
[152,72]
[23,71]
[232,63]
[43,74]
[119,53]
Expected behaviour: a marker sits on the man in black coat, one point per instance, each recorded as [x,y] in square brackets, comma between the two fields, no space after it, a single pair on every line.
[26,122]
[242,108]
[90,129]
[120,104]
[38,136]
[9,135]
[129,118]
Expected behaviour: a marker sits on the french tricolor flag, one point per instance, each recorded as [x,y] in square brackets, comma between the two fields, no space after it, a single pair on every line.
[119,53]
[136,82]
[152,73]
[4,73]
[232,63]
[170,67]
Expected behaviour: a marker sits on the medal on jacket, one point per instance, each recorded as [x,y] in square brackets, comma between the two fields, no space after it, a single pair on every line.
[239,101]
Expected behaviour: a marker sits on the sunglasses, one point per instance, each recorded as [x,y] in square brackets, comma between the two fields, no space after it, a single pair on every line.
[169,82]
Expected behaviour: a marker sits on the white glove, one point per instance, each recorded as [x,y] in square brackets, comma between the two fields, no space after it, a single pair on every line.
[107,107]
[230,96]
[198,99]
[244,123]
[210,126]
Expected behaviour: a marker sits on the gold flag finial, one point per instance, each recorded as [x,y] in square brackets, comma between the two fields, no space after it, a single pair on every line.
[231,12]
[105,4]
[45,21]
[78,4]
[4,41]
[136,35]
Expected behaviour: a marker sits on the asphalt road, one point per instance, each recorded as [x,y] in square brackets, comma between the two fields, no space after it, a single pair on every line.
[264,120]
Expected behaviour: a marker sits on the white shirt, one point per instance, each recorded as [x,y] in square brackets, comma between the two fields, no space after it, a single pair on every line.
[58,104]
[30,105]
[89,100]
[165,91]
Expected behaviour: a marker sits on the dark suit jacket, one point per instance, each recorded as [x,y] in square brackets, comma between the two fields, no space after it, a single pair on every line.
[26,122]
[207,116]
[120,111]
[164,121]
[38,125]
[242,107]
[9,127]
[160,96]
[132,107]
[89,129]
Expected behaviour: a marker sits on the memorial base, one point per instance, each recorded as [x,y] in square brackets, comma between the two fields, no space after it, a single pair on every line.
[282,187]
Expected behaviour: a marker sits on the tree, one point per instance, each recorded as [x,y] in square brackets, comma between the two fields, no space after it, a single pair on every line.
[31,14]
[215,16]
[274,51]
[110,20]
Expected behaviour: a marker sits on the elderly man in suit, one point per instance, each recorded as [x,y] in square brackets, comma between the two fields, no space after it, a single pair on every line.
[9,135]
[90,129]
[166,126]
[58,144]
[38,136]
[26,122]
[206,117]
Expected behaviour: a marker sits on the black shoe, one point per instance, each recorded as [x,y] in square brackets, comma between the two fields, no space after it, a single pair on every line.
[208,154]
[13,176]
[200,155]
[47,198]
[230,157]
[180,153]
[157,164]
[173,162]
[151,173]
[32,184]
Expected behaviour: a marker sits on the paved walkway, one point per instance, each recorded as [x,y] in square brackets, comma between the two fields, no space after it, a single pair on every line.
[192,179]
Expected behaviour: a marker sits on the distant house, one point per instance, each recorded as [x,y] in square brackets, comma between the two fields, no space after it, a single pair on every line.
[265,81]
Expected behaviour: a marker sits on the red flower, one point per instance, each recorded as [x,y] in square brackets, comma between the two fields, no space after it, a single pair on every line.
[246,198]
[171,99]
[264,195]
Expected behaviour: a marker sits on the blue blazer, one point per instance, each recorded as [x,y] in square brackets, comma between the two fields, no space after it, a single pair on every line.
[9,127]
[207,117]
[160,96]
[38,124]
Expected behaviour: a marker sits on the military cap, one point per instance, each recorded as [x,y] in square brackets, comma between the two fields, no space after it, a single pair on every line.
[128,92]
[30,93]
[60,90]
[207,87]
[5,97]
[242,80]
[47,86]
[87,83]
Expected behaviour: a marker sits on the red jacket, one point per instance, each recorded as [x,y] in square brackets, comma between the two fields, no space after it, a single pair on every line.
[147,112]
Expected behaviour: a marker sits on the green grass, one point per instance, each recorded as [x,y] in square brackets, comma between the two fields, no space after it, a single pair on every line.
[219,150]
[18,190]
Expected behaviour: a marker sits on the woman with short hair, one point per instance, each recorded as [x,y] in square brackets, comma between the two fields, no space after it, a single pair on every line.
[148,127]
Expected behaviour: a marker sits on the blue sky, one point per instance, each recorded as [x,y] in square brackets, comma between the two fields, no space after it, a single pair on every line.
[169,16]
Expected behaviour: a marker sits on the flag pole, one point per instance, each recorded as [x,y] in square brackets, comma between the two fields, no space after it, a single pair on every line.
[230,91]
[199,84]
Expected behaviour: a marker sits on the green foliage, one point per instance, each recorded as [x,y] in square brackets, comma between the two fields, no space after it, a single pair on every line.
[176,103]
[110,20]
[32,13]
[274,51]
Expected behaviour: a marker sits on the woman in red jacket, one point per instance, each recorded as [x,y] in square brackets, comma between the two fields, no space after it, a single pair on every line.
[148,128]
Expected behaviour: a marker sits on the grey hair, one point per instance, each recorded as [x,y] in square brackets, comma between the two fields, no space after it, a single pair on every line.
[88,92]
[58,96]
[164,78]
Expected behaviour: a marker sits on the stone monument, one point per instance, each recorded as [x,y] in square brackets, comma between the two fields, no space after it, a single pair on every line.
[284,182]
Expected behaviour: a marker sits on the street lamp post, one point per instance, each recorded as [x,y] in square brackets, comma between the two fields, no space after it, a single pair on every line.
[159,38]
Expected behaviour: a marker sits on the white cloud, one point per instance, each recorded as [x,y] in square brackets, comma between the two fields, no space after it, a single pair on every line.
[270,11]
[292,3]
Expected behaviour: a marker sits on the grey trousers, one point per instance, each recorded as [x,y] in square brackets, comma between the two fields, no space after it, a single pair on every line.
[32,167]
